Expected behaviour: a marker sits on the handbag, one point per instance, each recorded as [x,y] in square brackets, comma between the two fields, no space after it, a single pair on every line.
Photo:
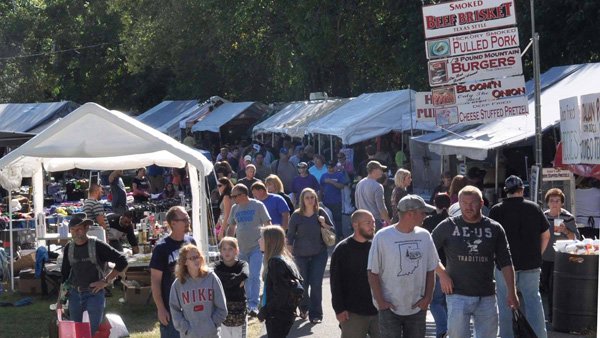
[521,327]
[327,234]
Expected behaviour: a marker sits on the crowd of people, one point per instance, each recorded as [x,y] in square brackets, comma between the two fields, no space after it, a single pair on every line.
[460,258]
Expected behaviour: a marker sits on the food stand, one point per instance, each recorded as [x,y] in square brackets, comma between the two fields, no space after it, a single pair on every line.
[95,138]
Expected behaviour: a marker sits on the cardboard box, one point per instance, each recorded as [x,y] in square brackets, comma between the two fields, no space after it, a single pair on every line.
[29,286]
[140,276]
[25,262]
[137,295]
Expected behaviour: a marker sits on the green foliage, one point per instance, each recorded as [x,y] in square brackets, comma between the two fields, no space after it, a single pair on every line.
[132,54]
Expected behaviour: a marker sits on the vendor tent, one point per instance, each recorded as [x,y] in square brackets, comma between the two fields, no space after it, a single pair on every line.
[234,113]
[371,115]
[12,140]
[294,118]
[476,141]
[32,117]
[93,137]
[166,111]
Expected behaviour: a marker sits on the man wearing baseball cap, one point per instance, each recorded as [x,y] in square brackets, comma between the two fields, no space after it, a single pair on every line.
[84,268]
[369,194]
[527,233]
[403,255]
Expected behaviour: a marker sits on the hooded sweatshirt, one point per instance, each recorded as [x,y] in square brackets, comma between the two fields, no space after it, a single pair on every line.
[198,306]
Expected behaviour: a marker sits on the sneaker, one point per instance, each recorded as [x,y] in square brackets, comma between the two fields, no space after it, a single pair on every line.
[253,312]
[316,321]
[303,314]
[442,335]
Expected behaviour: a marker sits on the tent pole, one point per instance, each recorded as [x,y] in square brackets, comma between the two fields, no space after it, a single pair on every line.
[496,178]
[12,251]
[411,110]
[331,147]
[319,138]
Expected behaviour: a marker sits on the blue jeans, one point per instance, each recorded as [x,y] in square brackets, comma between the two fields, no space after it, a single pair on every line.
[168,331]
[483,310]
[312,269]
[252,285]
[94,303]
[528,284]
[438,308]
[392,325]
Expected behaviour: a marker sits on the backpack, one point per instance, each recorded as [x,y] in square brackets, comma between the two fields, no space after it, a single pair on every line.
[91,257]
[296,290]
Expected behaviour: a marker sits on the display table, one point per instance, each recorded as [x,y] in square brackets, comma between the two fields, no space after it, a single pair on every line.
[55,239]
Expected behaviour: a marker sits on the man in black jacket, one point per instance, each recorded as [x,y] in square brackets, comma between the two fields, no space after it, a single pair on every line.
[350,291]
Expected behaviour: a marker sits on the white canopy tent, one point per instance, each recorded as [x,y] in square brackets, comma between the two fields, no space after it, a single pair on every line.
[371,115]
[475,142]
[92,137]
[293,119]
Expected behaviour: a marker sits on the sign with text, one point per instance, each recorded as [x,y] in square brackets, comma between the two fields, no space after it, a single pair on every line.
[590,128]
[569,130]
[459,17]
[425,108]
[468,93]
[480,66]
[479,112]
[553,174]
[472,43]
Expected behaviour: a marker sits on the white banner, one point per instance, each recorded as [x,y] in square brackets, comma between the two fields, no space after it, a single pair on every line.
[459,17]
[570,130]
[425,108]
[590,128]
[472,43]
[480,66]
[469,93]
[481,111]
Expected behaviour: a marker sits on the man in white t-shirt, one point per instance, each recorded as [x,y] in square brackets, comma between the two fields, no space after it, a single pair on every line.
[401,266]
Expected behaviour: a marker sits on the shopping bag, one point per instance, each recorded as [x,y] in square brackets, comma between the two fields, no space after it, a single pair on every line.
[521,327]
[71,329]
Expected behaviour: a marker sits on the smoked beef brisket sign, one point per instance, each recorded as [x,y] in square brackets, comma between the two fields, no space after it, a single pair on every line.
[460,17]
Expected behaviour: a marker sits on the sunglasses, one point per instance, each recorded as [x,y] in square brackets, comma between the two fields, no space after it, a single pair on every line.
[186,219]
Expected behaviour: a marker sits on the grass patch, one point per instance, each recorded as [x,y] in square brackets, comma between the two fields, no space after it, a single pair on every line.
[32,321]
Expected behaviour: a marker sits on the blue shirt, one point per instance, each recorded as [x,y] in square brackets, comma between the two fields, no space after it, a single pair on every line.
[276,205]
[304,182]
[331,194]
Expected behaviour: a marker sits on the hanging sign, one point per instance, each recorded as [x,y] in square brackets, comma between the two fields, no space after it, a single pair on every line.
[479,112]
[472,43]
[480,66]
[425,107]
[468,93]
[569,130]
[460,17]
[590,128]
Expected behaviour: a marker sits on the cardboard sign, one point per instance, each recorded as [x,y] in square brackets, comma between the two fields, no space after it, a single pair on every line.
[569,130]
[459,17]
[469,93]
[479,112]
[590,128]
[472,43]
[552,174]
[480,66]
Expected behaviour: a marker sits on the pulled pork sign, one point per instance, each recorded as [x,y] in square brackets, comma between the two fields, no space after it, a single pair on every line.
[459,17]
[473,43]
[472,67]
